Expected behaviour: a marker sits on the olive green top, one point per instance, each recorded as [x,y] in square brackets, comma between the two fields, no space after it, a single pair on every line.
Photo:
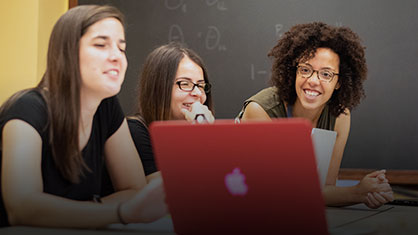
[269,100]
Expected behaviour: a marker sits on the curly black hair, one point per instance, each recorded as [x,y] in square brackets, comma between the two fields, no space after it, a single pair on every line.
[301,42]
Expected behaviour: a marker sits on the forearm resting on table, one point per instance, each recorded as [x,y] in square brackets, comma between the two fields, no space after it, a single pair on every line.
[120,196]
[41,209]
[125,195]
[341,196]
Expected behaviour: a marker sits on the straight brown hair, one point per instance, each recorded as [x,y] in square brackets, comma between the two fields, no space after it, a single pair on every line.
[157,79]
[61,83]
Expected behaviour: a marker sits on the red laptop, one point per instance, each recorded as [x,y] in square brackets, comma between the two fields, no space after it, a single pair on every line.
[257,177]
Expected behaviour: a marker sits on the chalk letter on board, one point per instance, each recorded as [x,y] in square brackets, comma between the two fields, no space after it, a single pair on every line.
[175,34]
[263,73]
[174,4]
[213,38]
[279,28]
[211,2]
[220,5]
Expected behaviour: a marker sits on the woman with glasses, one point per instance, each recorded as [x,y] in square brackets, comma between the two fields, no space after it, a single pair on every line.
[318,74]
[57,137]
[173,85]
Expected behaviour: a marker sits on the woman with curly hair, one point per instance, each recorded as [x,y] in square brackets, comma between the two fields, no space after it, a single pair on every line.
[318,74]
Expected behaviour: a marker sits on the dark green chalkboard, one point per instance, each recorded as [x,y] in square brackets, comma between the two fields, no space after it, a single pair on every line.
[234,36]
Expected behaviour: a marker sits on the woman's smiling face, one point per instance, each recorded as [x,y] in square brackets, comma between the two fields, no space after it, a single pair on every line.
[102,58]
[189,71]
[312,93]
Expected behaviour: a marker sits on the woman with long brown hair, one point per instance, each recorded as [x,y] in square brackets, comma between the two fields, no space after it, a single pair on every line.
[174,85]
[57,136]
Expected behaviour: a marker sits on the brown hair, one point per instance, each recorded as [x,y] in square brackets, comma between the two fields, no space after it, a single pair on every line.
[301,42]
[61,83]
[157,79]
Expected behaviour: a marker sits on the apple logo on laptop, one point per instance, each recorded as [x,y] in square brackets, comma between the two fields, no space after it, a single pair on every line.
[235,183]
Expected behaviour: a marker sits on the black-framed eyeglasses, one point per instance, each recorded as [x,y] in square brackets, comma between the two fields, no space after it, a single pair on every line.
[325,75]
[185,85]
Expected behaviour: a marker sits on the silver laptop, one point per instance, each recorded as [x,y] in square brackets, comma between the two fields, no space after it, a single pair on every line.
[323,142]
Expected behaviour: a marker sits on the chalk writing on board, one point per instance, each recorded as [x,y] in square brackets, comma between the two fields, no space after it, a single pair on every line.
[257,73]
[213,39]
[339,24]
[220,5]
[279,28]
[175,5]
[176,34]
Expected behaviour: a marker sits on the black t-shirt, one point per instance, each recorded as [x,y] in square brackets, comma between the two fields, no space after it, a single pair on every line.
[32,109]
[141,138]
[142,141]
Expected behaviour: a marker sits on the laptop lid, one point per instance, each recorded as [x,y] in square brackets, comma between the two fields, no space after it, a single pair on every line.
[323,142]
[240,178]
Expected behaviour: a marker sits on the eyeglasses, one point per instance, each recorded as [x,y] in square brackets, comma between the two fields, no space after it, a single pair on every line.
[324,75]
[189,86]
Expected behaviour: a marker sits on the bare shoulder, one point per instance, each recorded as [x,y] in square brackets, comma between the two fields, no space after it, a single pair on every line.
[342,123]
[254,111]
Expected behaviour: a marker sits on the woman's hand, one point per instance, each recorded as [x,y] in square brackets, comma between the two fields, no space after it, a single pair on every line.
[375,189]
[199,113]
[147,206]
[376,200]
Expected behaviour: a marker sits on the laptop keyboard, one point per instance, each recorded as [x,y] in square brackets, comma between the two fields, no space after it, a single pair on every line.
[404,202]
